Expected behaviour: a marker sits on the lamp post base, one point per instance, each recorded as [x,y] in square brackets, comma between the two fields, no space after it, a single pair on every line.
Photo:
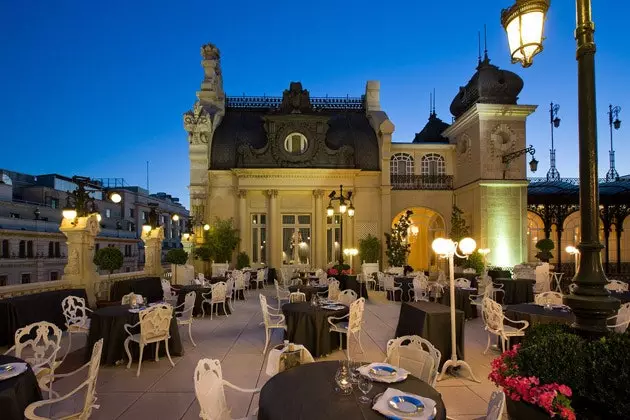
[454,363]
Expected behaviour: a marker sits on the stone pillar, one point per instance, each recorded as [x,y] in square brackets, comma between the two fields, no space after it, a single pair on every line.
[273,231]
[188,245]
[242,220]
[80,270]
[319,231]
[153,251]
[386,221]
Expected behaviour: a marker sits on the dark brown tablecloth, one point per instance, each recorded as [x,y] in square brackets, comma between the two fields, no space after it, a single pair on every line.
[148,287]
[20,311]
[350,282]
[515,291]
[432,321]
[109,324]
[462,301]
[307,392]
[18,392]
[308,325]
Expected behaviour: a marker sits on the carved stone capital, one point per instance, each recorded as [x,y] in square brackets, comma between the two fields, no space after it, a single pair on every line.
[271,193]
[318,193]
[241,193]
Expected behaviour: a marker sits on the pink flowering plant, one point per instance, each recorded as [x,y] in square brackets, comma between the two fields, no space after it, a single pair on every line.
[343,269]
[554,398]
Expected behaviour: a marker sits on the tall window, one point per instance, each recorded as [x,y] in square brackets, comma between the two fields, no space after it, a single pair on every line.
[4,279]
[54,275]
[29,249]
[333,237]
[26,278]
[4,252]
[108,213]
[22,249]
[296,238]
[259,238]
[433,164]
[57,250]
[51,249]
[401,164]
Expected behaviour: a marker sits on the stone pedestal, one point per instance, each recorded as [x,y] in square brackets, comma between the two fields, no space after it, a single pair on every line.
[153,251]
[80,270]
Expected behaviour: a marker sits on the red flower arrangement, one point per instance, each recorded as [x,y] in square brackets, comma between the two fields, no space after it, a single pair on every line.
[553,398]
[343,269]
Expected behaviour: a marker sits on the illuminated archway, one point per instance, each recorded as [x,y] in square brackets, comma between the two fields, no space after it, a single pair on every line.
[535,232]
[426,225]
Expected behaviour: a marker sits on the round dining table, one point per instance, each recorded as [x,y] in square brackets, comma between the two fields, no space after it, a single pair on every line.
[309,291]
[18,392]
[308,325]
[109,322]
[307,392]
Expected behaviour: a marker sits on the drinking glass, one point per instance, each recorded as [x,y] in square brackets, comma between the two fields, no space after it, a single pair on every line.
[354,371]
[365,385]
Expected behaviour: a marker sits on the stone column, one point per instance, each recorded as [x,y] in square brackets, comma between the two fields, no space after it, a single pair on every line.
[153,251]
[80,270]
[274,250]
[319,240]
[386,221]
[242,220]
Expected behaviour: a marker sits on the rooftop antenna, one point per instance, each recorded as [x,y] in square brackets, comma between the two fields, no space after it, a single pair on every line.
[430,103]
[433,104]
[147,175]
[478,47]
[485,43]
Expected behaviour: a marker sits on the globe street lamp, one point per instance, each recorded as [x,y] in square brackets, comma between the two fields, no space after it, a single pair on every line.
[446,248]
[345,206]
[524,23]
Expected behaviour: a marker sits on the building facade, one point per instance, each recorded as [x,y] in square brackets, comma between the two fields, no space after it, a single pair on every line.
[270,163]
[32,249]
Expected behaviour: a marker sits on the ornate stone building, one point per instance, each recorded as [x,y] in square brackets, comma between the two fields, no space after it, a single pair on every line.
[270,163]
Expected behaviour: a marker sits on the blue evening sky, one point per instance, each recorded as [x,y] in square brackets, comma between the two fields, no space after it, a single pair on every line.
[98,88]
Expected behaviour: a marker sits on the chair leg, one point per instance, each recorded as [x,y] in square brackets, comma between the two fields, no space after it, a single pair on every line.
[358,337]
[488,345]
[128,352]
[190,333]
[211,310]
[168,353]
[266,339]
[140,360]
[157,349]
[203,309]
[224,310]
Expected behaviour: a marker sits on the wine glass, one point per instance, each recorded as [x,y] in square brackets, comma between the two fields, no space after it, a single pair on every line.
[354,371]
[365,385]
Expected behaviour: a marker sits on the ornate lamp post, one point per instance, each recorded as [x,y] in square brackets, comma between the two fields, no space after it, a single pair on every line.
[448,249]
[345,206]
[613,121]
[554,121]
[524,23]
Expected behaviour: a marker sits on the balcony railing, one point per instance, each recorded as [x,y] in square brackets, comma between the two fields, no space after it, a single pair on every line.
[422,182]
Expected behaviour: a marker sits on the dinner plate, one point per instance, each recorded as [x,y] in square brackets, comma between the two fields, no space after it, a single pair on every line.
[378,396]
[383,371]
[11,370]
[405,404]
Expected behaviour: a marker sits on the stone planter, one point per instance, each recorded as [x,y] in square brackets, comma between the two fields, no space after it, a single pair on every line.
[519,410]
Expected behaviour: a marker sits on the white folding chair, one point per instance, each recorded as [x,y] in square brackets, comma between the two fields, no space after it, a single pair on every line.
[218,296]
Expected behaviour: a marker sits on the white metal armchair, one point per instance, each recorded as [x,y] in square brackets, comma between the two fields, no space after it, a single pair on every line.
[548,298]
[347,297]
[89,384]
[170,296]
[209,390]
[621,320]
[154,325]
[272,319]
[75,312]
[218,296]
[295,297]
[392,287]
[281,294]
[350,327]
[493,317]
[415,354]
[617,286]
[184,313]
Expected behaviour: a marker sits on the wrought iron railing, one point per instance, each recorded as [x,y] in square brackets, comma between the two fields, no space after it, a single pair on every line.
[422,182]
[572,181]
[275,101]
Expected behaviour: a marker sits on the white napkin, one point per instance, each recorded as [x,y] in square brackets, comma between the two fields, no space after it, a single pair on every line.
[382,406]
[401,374]
[18,369]
[134,311]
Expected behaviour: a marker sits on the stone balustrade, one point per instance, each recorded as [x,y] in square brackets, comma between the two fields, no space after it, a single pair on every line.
[30,288]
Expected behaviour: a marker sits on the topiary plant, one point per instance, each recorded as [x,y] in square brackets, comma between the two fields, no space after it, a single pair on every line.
[544,246]
[369,249]
[109,259]
[474,260]
[176,256]
[242,260]
[397,246]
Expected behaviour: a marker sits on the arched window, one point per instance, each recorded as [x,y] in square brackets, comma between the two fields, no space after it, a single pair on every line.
[401,164]
[433,164]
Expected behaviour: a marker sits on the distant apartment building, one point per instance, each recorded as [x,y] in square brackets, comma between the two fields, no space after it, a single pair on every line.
[32,249]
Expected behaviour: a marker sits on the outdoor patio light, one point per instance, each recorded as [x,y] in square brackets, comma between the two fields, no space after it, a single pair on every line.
[509,157]
[79,203]
[206,227]
[448,249]
[115,197]
[571,250]
[345,206]
[175,217]
[524,23]
[330,210]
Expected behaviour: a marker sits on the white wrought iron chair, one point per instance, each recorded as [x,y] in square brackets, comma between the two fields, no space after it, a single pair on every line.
[322,276]
[462,282]
[281,294]
[239,284]
[247,275]
[274,359]
[89,384]
[380,277]
[548,298]
[295,297]
[621,320]
[419,290]
[38,344]
[184,313]
[617,286]
[496,406]
[210,393]
[260,279]
[229,293]
[415,354]
[492,314]
[170,296]
[218,296]
[154,325]
[392,287]
[572,287]
[77,321]
[350,327]
[129,298]
[333,289]
[272,319]
[399,271]
[347,297]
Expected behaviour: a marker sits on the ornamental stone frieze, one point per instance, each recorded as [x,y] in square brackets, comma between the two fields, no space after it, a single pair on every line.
[198,124]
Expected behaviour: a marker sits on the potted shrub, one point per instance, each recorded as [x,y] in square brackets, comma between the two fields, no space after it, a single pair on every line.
[397,246]
[109,259]
[369,249]
[202,253]
[544,247]
[558,372]
[475,261]
[222,239]
[176,257]
[242,260]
